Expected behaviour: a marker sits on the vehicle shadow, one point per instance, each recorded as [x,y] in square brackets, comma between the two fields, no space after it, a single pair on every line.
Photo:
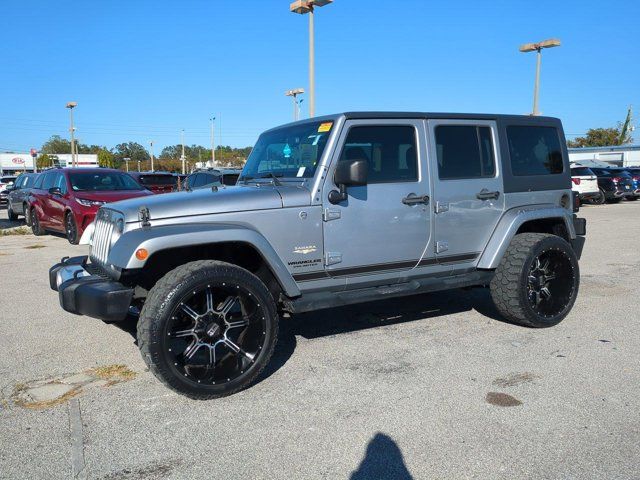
[383,459]
[341,320]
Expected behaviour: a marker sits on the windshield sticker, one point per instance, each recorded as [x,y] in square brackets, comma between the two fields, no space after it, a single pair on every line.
[286,151]
[301,171]
[325,127]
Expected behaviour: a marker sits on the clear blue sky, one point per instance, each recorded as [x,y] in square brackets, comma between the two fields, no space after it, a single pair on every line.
[142,70]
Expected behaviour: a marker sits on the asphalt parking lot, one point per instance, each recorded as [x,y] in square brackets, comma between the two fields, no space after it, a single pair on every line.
[434,386]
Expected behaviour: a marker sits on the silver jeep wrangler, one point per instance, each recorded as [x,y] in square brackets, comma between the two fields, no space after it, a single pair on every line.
[333,211]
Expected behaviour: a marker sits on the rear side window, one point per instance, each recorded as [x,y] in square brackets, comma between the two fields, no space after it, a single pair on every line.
[464,151]
[38,182]
[390,152]
[230,179]
[534,150]
[49,178]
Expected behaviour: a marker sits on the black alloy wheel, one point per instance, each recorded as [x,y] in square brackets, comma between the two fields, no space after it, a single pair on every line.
[208,328]
[550,283]
[71,229]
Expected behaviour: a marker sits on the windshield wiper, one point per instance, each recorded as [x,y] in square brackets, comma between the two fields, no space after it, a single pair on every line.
[271,175]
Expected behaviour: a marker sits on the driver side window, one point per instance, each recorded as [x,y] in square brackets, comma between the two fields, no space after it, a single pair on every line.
[390,152]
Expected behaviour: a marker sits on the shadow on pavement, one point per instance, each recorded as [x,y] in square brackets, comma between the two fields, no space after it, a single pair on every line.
[383,460]
[336,321]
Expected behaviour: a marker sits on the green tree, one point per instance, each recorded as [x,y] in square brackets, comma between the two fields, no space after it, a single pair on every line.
[131,150]
[106,158]
[44,161]
[56,144]
[601,137]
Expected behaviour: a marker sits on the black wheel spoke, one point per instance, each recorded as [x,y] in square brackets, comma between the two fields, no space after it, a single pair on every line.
[549,282]
[221,343]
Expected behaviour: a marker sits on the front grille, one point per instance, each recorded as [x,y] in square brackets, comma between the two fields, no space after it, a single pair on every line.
[102,233]
[96,269]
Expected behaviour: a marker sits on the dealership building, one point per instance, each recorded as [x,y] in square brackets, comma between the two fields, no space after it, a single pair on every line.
[15,163]
[618,156]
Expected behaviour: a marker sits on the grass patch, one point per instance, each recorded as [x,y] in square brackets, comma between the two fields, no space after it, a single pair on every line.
[33,247]
[15,231]
[114,373]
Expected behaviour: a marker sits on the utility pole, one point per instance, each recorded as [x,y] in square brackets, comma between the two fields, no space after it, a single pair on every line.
[213,145]
[537,47]
[182,157]
[307,7]
[151,145]
[126,162]
[71,106]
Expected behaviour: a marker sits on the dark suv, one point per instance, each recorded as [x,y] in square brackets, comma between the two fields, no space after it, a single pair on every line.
[18,195]
[157,182]
[614,184]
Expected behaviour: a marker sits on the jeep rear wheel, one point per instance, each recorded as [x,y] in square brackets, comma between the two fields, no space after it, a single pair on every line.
[537,281]
[207,329]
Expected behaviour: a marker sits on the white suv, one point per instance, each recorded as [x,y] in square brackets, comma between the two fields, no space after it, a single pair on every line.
[585,183]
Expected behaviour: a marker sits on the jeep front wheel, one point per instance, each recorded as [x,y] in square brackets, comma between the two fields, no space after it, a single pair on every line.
[207,329]
[537,281]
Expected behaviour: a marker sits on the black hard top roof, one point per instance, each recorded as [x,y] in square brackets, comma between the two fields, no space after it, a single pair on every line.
[377,115]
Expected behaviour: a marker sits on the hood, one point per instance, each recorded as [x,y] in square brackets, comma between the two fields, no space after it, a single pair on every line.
[207,201]
[112,196]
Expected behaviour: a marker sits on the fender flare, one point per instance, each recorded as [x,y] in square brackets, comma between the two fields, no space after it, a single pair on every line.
[157,239]
[509,224]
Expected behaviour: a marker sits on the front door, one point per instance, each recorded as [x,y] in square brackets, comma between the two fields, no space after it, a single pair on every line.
[468,192]
[383,226]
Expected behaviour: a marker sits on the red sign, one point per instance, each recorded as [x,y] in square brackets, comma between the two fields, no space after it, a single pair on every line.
[34,152]
[17,160]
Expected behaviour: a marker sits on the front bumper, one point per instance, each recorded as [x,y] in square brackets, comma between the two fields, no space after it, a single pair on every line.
[84,290]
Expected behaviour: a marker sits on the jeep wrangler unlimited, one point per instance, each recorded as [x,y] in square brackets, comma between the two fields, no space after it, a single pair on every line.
[333,211]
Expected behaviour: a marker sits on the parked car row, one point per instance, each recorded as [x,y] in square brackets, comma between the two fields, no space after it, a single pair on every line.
[598,185]
[66,200]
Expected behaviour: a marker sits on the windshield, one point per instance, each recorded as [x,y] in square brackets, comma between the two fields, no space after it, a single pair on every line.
[102,181]
[288,152]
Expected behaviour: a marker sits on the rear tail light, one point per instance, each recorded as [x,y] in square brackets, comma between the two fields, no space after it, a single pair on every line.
[616,179]
[575,180]
[636,178]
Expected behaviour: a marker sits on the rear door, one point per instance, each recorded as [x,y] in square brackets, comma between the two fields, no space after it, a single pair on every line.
[44,197]
[468,190]
[57,202]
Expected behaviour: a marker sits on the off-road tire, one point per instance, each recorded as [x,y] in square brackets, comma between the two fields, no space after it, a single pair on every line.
[162,300]
[509,286]
[36,228]
[13,216]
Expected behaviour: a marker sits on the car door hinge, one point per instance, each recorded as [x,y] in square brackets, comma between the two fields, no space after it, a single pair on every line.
[442,247]
[331,258]
[328,214]
[442,207]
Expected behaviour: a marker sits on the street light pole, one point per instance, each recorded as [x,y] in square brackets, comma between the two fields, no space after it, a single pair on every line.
[307,7]
[213,145]
[294,95]
[151,145]
[537,47]
[71,106]
[126,162]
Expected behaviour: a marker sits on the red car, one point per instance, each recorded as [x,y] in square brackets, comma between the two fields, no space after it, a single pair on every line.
[157,182]
[66,200]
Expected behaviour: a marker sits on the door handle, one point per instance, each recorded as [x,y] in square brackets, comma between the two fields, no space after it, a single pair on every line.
[485,194]
[413,199]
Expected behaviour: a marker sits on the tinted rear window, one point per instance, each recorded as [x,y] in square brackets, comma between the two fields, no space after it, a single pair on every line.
[464,151]
[581,172]
[158,180]
[534,150]
[230,178]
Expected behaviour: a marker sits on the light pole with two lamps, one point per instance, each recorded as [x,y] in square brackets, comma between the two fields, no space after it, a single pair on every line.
[537,47]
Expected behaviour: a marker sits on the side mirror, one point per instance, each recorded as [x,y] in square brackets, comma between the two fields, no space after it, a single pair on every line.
[348,173]
[55,191]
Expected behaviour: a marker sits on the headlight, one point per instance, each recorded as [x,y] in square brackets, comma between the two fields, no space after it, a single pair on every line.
[120,225]
[89,203]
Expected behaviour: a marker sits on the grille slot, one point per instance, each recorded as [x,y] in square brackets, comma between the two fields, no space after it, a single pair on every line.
[102,233]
